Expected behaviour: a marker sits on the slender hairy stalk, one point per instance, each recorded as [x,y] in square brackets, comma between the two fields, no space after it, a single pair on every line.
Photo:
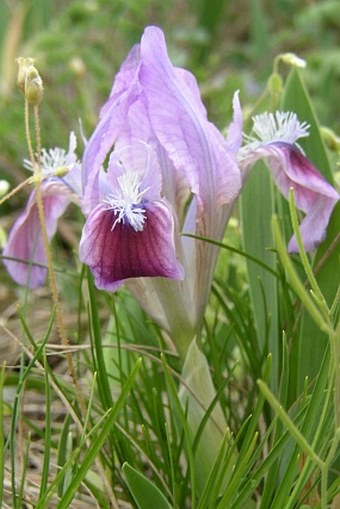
[36,164]
[18,188]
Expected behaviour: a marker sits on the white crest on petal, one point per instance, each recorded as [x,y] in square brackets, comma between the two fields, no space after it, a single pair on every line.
[281,126]
[127,201]
[56,161]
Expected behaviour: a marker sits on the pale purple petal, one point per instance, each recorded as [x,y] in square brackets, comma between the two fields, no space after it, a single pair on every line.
[313,194]
[193,144]
[121,253]
[25,240]
[313,227]
[140,158]
[137,125]
[125,76]
[125,92]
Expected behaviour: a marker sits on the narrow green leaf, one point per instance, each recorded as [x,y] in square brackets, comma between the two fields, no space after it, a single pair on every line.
[213,486]
[100,431]
[286,483]
[296,98]
[145,493]
[294,279]
[304,258]
[47,441]
[300,439]
[238,474]
[256,211]
[99,362]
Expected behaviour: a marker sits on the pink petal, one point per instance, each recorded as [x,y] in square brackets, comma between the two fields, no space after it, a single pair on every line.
[25,240]
[122,253]
[125,92]
[192,143]
[313,194]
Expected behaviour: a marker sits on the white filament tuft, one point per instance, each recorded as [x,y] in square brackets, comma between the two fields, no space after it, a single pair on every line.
[126,202]
[280,126]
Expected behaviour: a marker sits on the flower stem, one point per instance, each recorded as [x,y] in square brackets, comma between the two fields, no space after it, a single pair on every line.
[51,274]
[304,258]
[9,195]
[298,287]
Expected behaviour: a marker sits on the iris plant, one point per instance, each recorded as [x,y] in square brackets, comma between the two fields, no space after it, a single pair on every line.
[169,170]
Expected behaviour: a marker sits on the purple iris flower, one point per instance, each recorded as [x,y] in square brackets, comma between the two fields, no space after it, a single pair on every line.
[169,169]
[25,244]
[274,139]
[130,232]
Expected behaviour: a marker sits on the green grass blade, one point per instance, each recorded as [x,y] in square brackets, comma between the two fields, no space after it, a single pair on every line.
[47,441]
[100,367]
[145,493]
[64,452]
[2,436]
[288,423]
[295,281]
[97,444]
[296,98]
[240,469]
[256,239]
[180,419]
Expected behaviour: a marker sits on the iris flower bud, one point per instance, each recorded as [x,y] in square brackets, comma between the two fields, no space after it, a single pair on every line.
[29,81]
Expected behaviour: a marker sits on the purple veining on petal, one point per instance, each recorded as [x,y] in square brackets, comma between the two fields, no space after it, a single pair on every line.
[122,253]
[313,194]
[193,144]
[25,239]
[125,92]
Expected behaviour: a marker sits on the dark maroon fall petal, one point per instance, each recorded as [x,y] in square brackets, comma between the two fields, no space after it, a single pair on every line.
[122,253]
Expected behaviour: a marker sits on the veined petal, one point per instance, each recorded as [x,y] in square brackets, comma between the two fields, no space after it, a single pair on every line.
[115,251]
[139,158]
[193,144]
[125,92]
[313,226]
[124,78]
[275,141]
[25,239]
[313,194]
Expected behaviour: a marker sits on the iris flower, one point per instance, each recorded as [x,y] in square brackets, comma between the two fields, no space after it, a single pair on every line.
[169,170]
[275,139]
[24,254]
[130,232]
